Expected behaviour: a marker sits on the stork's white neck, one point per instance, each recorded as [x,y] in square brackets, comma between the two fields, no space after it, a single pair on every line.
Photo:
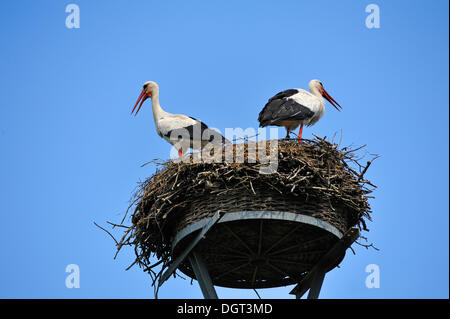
[316,92]
[158,112]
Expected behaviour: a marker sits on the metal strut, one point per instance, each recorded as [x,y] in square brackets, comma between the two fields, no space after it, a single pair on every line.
[202,276]
[198,266]
[314,279]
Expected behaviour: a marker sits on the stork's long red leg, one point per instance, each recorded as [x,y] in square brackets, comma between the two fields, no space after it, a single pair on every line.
[300,134]
[180,152]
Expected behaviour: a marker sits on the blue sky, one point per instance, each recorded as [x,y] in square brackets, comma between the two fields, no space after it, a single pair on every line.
[71,153]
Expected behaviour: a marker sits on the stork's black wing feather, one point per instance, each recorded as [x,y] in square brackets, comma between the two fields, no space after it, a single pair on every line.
[283,94]
[291,110]
[280,107]
[205,133]
[203,126]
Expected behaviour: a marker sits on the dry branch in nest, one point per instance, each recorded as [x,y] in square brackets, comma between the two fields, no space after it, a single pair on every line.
[314,177]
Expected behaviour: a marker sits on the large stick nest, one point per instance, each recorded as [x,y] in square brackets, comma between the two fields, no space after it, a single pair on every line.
[315,177]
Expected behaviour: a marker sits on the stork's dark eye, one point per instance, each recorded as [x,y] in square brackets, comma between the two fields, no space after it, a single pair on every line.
[321,84]
[145,86]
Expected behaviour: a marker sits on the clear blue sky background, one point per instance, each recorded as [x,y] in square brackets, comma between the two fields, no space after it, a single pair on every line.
[71,153]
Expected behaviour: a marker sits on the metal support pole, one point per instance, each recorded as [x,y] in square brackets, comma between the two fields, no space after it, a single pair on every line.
[316,284]
[202,275]
[314,279]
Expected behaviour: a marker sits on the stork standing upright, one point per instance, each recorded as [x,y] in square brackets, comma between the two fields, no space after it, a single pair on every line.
[182,131]
[295,107]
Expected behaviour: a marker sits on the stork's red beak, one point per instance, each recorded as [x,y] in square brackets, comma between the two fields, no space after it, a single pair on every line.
[141,98]
[331,100]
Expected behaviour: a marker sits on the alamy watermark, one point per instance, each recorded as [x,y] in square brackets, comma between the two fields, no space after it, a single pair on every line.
[73,279]
[373,19]
[214,148]
[73,19]
[373,279]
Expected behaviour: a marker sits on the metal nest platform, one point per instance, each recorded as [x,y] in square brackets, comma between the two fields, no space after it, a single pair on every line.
[259,249]
[225,250]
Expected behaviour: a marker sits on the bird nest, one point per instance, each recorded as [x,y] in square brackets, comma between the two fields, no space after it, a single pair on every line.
[315,178]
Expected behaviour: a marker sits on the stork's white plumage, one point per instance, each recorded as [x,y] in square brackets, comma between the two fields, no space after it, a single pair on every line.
[180,130]
[295,107]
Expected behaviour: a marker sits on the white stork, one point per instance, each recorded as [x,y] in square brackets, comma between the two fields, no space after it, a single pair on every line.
[182,131]
[295,107]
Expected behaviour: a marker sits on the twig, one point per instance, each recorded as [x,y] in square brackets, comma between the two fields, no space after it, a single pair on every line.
[364,171]
[118,225]
[107,233]
[120,244]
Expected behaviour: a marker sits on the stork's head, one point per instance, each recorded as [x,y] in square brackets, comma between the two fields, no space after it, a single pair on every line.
[149,89]
[315,86]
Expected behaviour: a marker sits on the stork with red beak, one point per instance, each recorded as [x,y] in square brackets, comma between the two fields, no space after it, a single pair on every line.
[182,131]
[295,107]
